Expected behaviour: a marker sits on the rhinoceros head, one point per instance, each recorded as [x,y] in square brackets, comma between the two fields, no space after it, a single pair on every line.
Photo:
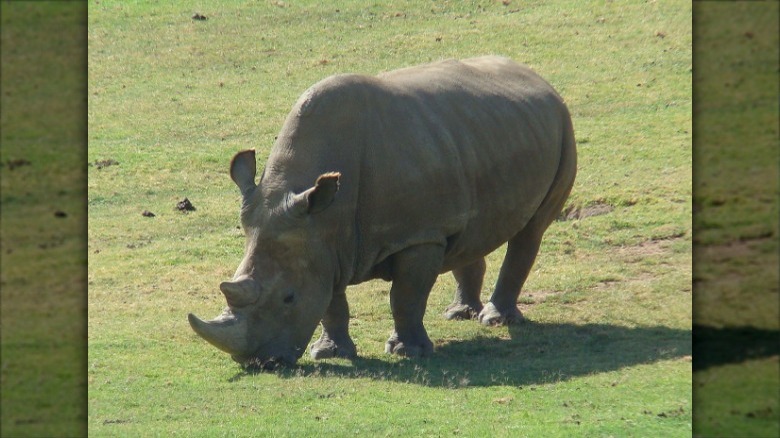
[284,283]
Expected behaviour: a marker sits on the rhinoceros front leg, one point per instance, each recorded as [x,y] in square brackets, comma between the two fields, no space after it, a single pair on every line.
[335,340]
[466,304]
[414,271]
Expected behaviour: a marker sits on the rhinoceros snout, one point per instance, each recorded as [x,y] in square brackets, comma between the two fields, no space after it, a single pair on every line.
[228,332]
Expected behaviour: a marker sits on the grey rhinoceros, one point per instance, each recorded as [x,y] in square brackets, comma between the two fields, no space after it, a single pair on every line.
[403,176]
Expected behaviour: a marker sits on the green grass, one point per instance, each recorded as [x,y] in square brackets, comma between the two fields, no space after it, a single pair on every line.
[607,347]
[43,257]
[735,277]
[738,399]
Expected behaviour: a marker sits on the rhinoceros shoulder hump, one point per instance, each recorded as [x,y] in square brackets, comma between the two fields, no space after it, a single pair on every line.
[328,92]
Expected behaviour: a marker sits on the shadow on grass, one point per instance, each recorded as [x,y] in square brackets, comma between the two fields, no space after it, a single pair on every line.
[721,346]
[533,353]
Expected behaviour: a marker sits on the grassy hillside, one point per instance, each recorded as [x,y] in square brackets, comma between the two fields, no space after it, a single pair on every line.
[43,218]
[606,350]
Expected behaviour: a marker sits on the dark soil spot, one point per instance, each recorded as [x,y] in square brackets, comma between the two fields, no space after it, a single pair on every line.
[60,214]
[105,163]
[147,213]
[185,205]
[51,244]
[717,202]
[673,413]
[761,413]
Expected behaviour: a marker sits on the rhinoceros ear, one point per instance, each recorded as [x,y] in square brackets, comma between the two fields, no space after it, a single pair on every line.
[243,168]
[317,198]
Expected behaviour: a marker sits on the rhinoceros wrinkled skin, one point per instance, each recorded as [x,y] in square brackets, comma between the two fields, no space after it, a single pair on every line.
[403,176]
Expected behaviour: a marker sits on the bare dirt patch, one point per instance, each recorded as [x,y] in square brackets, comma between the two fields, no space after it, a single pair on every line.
[737,249]
[645,249]
[532,298]
[573,212]
[539,296]
[639,278]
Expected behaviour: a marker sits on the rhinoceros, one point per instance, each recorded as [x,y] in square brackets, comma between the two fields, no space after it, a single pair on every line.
[402,176]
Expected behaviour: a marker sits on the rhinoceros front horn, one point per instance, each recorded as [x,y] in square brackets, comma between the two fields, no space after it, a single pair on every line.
[226,332]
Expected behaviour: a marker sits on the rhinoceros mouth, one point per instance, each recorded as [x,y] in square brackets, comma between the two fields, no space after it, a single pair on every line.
[271,364]
[266,362]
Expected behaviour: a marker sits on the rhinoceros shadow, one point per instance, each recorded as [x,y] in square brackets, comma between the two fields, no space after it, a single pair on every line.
[715,346]
[526,354]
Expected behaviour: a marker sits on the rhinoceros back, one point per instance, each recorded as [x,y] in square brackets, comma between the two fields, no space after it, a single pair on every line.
[458,153]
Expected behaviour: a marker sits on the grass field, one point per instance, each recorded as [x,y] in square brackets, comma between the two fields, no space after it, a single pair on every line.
[43,217]
[607,348]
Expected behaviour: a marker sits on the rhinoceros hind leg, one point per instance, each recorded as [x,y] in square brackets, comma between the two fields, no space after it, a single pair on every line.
[491,316]
[520,255]
[466,304]
[335,340]
[414,271]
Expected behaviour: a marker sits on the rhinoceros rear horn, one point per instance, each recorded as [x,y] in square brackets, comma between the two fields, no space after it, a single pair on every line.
[317,198]
[243,169]
[240,293]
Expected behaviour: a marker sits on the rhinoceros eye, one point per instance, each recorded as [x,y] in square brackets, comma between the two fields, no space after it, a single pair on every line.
[289,299]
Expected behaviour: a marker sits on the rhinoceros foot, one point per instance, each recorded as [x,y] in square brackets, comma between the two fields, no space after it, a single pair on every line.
[492,316]
[460,311]
[325,348]
[419,347]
